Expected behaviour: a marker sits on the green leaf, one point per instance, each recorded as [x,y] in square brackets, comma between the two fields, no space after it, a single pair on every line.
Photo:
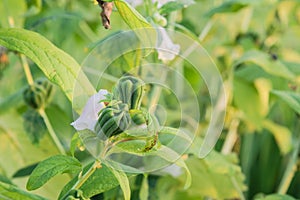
[34,126]
[275,197]
[216,176]
[100,181]
[11,101]
[227,7]
[4,179]
[123,181]
[273,67]
[17,150]
[175,5]
[137,23]
[144,191]
[50,167]
[247,99]
[282,135]
[12,11]
[132,18]
[291,98]
[34,7]
[180,162]
[8,192]
[58,66]
[25,171]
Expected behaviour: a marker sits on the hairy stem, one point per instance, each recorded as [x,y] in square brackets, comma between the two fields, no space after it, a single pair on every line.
[81,180]
[52,132]
[26,69]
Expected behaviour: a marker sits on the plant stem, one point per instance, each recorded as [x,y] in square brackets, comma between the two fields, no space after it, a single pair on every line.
[81,180]
[42,111]
[231,137]
[206,30]
[26,69]
[156,93]
[292,164]
[52,132]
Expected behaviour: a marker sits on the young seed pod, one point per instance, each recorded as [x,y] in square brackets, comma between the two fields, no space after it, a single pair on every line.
[113,120]
[129,90]
[138,117]
[38,95]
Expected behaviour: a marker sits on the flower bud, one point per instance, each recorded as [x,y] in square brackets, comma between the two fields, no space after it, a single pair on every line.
[138,117]
[113,120]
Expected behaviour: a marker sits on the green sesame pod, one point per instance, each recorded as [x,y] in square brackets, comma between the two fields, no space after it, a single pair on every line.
[137,116]
[113,120]
[124,122]
[129,90]
[105,116]
[109,127]
[126,88]
[137,95]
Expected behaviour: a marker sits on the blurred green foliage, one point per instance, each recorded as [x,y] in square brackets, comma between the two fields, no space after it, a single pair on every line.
[255,45]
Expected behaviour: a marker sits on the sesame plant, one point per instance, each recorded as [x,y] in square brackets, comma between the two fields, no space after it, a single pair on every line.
[153,99]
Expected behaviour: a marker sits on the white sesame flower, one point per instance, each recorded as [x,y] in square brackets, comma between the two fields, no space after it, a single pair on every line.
[89,115]
[166,49]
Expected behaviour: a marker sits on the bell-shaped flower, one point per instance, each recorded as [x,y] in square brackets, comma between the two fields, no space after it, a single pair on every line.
[166,49]
[89,115]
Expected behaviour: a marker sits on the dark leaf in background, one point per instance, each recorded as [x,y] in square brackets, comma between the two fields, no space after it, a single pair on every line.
[50,167]
[227,7]
[25,171]
[175,5]
[34,125]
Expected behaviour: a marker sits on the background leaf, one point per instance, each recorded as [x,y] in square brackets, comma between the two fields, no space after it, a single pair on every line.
[274,67]
[100,181]
[283,135]
[57,66]
[291,98]
[34,7]
[34,125]
[275,197]
[137,22]
[230,6]
[25,171]
[123,181]
[247,99]
[175,5]
[50,167]
[12,11]
[8,191]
